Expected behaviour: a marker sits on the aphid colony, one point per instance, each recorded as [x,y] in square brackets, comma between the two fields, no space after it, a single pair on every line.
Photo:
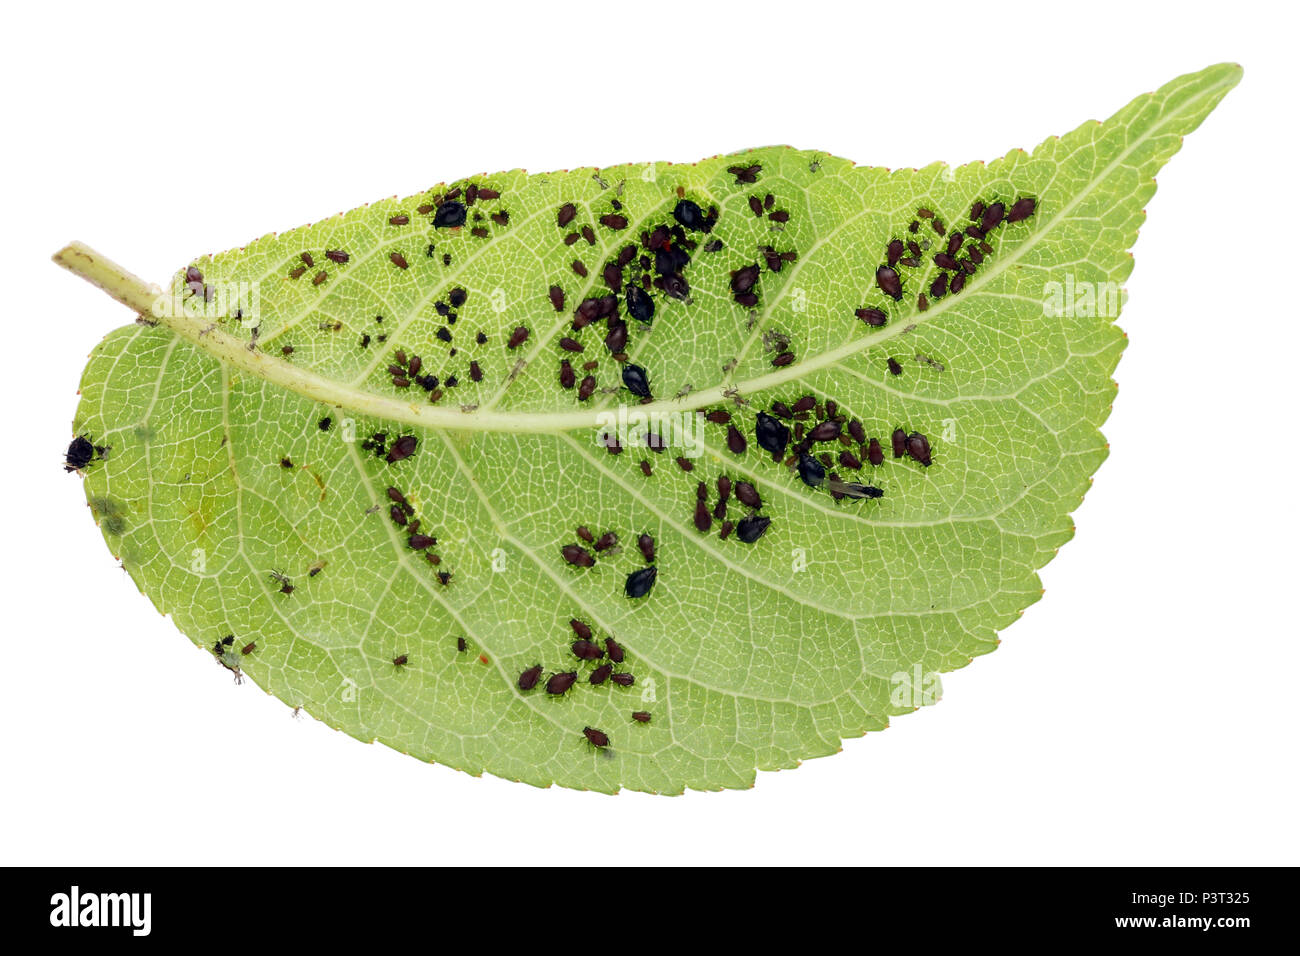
[638,583]
[402,514]
[656,266]
[956,254]
[749,528]
[604,657]
[406,371]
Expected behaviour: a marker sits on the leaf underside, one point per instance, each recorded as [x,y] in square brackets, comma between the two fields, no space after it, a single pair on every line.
[239,510]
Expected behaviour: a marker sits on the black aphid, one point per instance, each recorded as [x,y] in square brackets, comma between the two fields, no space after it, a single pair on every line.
[449,215]
[745,174]
[751,528]
[894,367]
[771,434]
[598,738]
[811,470]
[634,377]
[703,520]
[79,454]
[690,215]
[639,304]
[640,582]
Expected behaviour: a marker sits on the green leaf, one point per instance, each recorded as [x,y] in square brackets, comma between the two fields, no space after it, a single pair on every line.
[242,489]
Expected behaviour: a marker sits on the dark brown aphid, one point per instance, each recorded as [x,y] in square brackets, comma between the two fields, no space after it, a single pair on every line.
[397,514]
[614,649]
[646,469]
[570,344]
[875,454]
[1021,209]
[528,679]
[601,674]
[939,287]
[894,251]
[918,448]
[402,449]
[742,280]
[725,531]
[587,388]
[613,221]
[421,542]
[556,295]
[751,528]
[944,261]
[579,268]
[850,460]
[858,433]
[248,648]
[557,684]
[748,495]
[646,544]
[585,534]
[319,277]
[589,234]
[703,520]
[685,464]
[958,283]
[399,220]
[779,216]
[724,488]
[756,205]
[719,417]
[736,442]
[566,214]
[616,341]
[825,431]
[586,650]
[783,359]
[623,680]
[640,582]
[894,368]
[336,255]
[992,216]
[400,660]
[580,628]
[577,555]
[889,282]
[899,440]
[598,738]
[745,174]
[518,337]
[606,541]
[567,376]
[641,717]
[873,317]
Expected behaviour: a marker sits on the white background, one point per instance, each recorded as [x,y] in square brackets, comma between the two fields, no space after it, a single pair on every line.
[1143,712]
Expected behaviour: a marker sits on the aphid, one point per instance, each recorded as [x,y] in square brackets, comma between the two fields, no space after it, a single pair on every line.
[598,738]
[485,192]
[922,303]
[939,287]
[475,372]
[894,251]
[641,717]
[748,495]
[567,376]
[518,337]
[601,674]
[319,277]
[771,434]
[640,582]
[780,408]
[685,464]
[457,297]
[579,268]
[703,520]
[742,280]
[402,449]
[811,470]
[785,358]
[589,234]
[825,431]
[854,490]
[736,442]
[954,243]
[398,497]
[614,650]
[586,650]
[606,541]
[850,460]
[889,282]
[724,487]
[918,448]
[400,660]
[587,388]
[873,317]
[1021,209]
[690,215]
[556,295]
[756,205]
[616,338]
[566,214]
[286,463]
[992,216]
[874,453]
[745,174]
[399,220]
[286,350]
[676,287]
[397,515]
[623,680]
[580,628]
[899,440]
[528,679]
[647,546]
[945,261]
[894,368]
[613,221]
[421,542]
[958,283]
[639,304]
[577,555]
[316,569]
[449,215]
[858,433]
[79,454]
[646,469]
[751,528]
[557,684]
[461,645]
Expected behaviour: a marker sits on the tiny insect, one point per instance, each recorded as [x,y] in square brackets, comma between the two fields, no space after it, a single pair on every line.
[601,674]
[598,738]
[518,337]
[639,583]
[400,660]
[899,441]
[402,449]
[449,215]
[558,684]
[623,680]
[528,679]
[577,555]
[248,648]
[752,527]
[586,650]
[811,470]
[889,282]
[461,645]
[641,716]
